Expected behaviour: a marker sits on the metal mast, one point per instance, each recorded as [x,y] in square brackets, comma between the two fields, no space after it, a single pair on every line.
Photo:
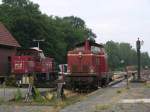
[38,41]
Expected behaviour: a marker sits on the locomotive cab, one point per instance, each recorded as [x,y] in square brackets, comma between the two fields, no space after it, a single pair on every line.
[87,57]
[87,64]
[34,52]
[32,62]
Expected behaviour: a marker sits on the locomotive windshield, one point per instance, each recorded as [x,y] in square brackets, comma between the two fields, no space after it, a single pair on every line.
[79,48]
[95,49]
[25,53]
[31,52]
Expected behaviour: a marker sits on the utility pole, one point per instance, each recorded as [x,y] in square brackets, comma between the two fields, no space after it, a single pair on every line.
[38,41]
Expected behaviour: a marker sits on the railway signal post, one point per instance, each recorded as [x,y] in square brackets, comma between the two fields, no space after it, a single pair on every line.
[138,46]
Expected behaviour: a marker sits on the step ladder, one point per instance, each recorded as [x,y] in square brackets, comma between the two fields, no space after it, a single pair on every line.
[29,93]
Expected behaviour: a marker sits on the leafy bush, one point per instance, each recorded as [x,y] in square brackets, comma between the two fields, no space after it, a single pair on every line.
[119,91]
[38,97]
[18,95]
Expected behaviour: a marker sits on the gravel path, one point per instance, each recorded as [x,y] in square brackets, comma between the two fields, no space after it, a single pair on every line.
[109,100]
[138,91]
[10,108]
[100,98]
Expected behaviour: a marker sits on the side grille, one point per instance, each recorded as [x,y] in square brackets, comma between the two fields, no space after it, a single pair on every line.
[74,68]
[85,68]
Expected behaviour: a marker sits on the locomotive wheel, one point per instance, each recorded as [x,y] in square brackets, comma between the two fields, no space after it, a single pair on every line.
[73,84]
[95,83]
[103,82]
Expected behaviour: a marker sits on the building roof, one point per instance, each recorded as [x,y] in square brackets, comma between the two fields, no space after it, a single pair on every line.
[6,38]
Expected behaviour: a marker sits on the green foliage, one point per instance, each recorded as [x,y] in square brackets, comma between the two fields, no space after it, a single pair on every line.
[121,55]
[101,107]
[119,91]
[18,95]
[26,22]
[38,97]
[145,59]
[1,101]
[112,52]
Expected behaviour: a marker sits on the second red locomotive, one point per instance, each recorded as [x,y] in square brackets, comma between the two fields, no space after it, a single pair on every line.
[29,62]
[87,65]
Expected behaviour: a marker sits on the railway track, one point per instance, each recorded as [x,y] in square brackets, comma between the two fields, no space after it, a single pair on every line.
[113,83]
[116,82]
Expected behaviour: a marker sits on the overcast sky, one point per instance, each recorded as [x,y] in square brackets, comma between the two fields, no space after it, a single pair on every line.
[117,20]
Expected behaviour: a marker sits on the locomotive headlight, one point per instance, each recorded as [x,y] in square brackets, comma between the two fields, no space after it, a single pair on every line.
[80,54]
[91,69]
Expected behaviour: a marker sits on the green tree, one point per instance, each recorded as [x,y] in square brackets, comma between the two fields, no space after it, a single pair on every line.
[75,22]
[113,56]
[145,59]
[123,52]
[26,22]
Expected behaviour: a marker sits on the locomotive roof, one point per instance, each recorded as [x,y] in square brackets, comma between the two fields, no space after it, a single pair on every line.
[6,38]
[36,48]
[91,44]
[29,49]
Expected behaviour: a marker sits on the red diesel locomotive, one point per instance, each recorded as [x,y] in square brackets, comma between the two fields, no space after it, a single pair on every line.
[32,62]
[87,65]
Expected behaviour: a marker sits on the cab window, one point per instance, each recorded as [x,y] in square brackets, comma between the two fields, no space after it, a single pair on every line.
[79,48]
[95,49]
